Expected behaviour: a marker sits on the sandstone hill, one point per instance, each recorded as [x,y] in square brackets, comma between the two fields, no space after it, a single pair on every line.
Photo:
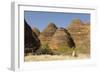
[80,32]
[47,33]
[61,38]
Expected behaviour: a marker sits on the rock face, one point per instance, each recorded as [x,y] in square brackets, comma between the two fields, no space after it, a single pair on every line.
[47,33]
[36,31]
[32,43]
[80,32]
[61,38]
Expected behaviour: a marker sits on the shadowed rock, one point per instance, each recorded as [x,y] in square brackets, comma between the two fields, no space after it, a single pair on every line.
[36,31]
[32,43]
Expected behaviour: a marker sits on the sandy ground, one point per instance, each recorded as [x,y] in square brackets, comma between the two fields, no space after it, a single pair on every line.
[53,57]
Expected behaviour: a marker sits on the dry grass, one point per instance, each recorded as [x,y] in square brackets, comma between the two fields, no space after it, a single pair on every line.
[53,57]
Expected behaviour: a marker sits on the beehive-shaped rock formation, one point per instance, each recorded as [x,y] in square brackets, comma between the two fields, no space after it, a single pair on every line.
[61,38]
[47,33]
[80,32]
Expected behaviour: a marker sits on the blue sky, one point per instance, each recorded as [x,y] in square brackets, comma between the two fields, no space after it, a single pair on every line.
[41,19]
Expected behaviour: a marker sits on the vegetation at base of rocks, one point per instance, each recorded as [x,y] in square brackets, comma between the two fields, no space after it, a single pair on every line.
[64,51]
[44,49]
[83,50]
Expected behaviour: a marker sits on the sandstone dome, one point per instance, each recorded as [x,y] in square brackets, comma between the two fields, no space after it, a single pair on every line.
[47,33]
[61,38]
